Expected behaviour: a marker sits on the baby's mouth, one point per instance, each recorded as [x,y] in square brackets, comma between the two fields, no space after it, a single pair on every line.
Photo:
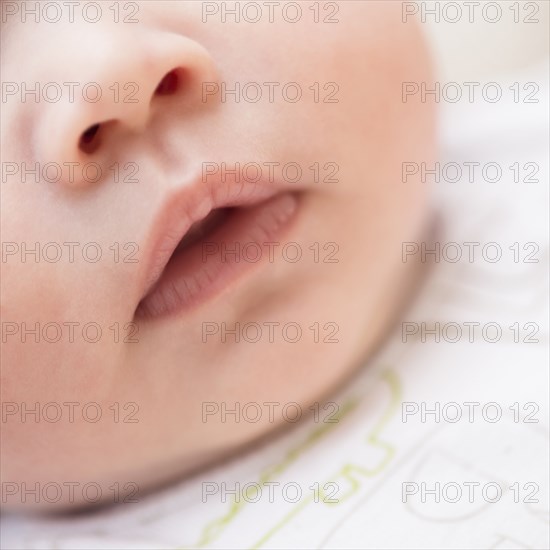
[212,253]
[201,229]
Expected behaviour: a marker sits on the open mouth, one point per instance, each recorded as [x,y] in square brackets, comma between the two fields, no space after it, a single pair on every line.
[202,229]
[214,252]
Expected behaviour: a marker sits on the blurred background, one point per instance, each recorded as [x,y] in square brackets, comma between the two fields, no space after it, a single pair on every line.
[465,50]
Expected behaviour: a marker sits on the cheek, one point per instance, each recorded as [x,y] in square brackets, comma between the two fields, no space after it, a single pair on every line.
[67,264]
[41,379]
[51,360]
[59,318]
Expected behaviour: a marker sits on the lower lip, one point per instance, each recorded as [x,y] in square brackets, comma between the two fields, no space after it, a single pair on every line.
[211,264]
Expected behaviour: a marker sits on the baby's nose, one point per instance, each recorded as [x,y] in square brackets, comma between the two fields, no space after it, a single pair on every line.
[125,86]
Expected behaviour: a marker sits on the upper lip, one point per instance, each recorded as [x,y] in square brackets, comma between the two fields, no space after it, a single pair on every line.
[192,204]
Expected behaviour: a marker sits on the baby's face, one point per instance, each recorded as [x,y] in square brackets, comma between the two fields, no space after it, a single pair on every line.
[279,144]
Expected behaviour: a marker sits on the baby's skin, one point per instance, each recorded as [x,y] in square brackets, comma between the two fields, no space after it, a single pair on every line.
[124,346]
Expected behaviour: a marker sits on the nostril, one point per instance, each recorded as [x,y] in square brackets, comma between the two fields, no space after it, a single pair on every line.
[89,140]
[168,85]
